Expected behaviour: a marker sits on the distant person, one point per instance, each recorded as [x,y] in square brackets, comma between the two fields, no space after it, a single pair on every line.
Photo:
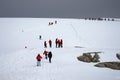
[50,56]
[45,53]
[25,46]
[40,37]
[49,23]
[50,43]
[56,42]
[45,44]
[55,22]
[38,57]
[61,43]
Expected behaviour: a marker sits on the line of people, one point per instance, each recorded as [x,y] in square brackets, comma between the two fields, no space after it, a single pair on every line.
[48,55]
[58,42]
[51,23]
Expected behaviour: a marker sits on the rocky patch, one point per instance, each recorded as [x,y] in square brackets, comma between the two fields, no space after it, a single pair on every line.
[112,65]
[87,57]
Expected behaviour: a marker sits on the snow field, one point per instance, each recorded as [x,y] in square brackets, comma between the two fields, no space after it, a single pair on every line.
[18,63]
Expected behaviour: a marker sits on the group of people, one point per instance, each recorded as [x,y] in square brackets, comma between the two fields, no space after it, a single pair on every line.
[51,23]
[50,43]
[58,43]
[48,55]
[101,19]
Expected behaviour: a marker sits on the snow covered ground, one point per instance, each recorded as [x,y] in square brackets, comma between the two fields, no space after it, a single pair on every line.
[18,63]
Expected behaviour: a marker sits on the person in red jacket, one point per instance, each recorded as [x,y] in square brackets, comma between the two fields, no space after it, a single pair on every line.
[45,53]
[61,43]
[56,42]
[50,43]
[45,44]
[38,57]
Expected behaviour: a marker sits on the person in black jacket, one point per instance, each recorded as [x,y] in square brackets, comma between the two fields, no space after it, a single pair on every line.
[50,56]
[40,37]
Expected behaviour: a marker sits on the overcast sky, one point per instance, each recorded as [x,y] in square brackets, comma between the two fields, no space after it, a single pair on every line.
[60,8]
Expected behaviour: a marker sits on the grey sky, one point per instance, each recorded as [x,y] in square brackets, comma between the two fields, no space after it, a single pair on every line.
[60,8]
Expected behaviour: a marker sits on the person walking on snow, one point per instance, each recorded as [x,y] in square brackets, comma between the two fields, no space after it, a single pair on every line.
[45,44]
[40,37]
[45,53]
[38,57]
[50,43]
[55,22]
[56,42]
[50,56]
[61,43]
